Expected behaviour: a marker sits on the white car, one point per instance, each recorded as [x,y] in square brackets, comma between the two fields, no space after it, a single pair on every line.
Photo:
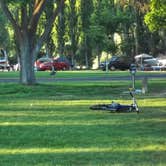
[4,64]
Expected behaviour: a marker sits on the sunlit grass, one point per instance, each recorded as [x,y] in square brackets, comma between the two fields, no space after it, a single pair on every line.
[51,124]
[34,103]
[79,149]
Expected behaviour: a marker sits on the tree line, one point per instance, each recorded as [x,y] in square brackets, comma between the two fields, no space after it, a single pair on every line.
[80,30]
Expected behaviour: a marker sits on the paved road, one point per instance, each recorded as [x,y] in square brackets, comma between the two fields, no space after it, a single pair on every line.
[112,78]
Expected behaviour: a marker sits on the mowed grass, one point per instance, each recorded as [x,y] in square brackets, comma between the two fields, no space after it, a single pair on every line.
[51,124]
[82,74]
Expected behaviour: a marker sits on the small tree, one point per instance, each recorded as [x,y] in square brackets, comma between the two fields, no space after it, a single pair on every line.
[86,11]
[73,28]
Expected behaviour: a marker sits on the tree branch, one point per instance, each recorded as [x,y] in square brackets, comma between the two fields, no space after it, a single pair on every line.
[24,17]
[49,23]
[38,9]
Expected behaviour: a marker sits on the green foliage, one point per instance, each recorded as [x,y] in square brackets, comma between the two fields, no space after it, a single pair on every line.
[97,34]
[74,28]
[61,28]
[156,18]
[4,34]
[86,11]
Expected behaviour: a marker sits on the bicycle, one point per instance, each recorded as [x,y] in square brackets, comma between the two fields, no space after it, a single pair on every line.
[116,107]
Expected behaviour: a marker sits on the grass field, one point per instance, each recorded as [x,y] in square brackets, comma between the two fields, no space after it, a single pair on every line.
[77,74]
[51,124]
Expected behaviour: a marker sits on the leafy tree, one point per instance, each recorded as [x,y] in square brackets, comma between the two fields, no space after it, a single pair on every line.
[73,28]
[135,34]
[86,11]
[27,36]
[61,30]
[4,35]
[49,43]
[155,19]
[97,31]
[105,29]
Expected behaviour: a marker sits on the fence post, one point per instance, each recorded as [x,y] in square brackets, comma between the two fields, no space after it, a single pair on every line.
[145,85]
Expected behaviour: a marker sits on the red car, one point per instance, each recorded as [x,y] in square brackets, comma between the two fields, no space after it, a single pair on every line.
[43,64]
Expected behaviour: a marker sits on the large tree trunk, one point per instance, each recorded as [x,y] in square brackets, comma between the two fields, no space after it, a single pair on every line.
[27,74]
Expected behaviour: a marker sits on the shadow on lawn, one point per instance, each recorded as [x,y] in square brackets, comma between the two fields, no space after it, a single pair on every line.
[124,158]
[45,90]
[86,91]
[130,139]
[24,131]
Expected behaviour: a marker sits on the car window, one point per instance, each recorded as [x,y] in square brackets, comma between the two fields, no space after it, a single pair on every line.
[44,60]
[114,58]
[41,61]
[151,62]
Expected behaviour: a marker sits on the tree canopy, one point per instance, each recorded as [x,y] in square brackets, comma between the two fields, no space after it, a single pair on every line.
[156,18]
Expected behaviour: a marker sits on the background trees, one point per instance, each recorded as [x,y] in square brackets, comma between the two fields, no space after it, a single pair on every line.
[4,34]
[156,22]
[86,11]
[83,29]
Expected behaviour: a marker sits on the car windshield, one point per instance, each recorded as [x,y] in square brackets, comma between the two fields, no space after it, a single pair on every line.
[146,58]
[151,61]
[114,58]
[42,60]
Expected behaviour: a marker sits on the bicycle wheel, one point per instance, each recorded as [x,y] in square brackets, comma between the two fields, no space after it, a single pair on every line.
[99,107]
[104,107]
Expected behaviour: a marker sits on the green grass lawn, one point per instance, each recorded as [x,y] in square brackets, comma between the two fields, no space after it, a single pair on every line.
[84,73]
[51,124]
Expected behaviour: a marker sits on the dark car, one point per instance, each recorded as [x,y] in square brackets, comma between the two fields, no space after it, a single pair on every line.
[116,63]
[43,64]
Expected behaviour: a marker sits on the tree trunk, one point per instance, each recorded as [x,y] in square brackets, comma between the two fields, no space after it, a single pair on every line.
[86,52]
[136,40]
[98,56]
[27,59]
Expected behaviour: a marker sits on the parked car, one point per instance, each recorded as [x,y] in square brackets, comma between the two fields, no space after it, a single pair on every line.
[162,64]
[150,64]
[147,62]
[43,64]
[116,63]
[4,63]
[103,65]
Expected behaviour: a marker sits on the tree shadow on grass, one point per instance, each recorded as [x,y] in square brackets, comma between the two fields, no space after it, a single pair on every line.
[77,132]
[46,90]
[96,139]
[124,158]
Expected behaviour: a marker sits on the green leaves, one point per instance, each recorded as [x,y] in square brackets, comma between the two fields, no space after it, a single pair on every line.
[156,18]
[4,35]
